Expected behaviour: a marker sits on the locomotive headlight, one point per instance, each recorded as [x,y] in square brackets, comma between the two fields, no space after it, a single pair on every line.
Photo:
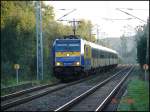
[68,55]
[58,63]
[77,63]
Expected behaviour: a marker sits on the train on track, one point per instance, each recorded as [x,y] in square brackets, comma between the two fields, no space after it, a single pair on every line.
[74,57]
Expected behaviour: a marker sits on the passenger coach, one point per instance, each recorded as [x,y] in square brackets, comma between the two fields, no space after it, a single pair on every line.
[73,57]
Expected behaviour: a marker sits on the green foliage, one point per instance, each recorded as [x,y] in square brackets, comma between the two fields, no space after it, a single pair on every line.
[138,94]
[18,38]
[142,37]
[84,30]
[141,50]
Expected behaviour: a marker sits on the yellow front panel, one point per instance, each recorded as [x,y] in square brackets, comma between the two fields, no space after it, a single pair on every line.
[65,54]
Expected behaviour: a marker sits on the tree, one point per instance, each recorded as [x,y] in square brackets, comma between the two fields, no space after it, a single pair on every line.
[142,36]
[18,38]
[84,30]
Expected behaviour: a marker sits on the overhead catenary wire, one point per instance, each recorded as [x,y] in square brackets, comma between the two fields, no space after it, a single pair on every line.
[131,15]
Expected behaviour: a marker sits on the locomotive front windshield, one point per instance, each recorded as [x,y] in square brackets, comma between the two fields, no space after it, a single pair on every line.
[67,45]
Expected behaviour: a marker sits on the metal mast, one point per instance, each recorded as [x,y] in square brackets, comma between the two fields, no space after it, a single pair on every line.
[74,26]
[97,32]
[39,40]
[73,21]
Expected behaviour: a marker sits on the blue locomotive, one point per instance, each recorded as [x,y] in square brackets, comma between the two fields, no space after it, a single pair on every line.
[74,57]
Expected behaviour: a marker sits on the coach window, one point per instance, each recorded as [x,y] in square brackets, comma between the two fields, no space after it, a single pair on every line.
[104,54]
[99,54]
[93,53]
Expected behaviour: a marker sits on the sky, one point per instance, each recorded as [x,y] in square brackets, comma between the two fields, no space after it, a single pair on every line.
[98,12]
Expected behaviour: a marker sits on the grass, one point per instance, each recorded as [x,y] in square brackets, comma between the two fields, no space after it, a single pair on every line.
[50,80]
[137,98]
[11,81]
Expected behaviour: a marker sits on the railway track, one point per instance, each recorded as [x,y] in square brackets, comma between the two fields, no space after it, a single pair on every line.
[13,88]
[18,93]
[23,96]
[95,99]
[32,93]
[10,103]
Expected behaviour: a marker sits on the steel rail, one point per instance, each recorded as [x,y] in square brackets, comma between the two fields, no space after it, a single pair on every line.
[29,98]
[18,93]
[108,98]
[83,95]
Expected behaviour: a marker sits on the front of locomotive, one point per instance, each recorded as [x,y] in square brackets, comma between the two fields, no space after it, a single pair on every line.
[67,58]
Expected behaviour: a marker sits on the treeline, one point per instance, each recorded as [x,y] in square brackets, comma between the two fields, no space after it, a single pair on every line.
[18,38]
[142,38]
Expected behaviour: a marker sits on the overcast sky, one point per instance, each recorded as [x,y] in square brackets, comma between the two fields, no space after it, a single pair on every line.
[99,11]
